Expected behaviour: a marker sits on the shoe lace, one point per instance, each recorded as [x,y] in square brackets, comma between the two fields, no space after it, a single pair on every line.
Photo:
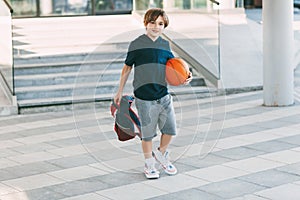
[164,158]
[151,168]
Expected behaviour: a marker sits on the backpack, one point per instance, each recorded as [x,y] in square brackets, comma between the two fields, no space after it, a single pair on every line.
[125,119]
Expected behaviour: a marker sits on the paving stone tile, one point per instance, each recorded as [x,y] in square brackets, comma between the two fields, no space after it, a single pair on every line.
[292,119]
[249,197]
[8,153]
[176,183]
[77,173]
[291,140]
[245,129]
[5,189]
[9,136]
[202,162]
[190,194]
[258,137]
[33,157]
[254,164]
[9,144]
[47,137]
[125,164]
[271,124]
[80,187]
[73,161]
[90,196]
[271,146]
[40,194]
[128,192]
[216,173]
[43,194]
[287,191]
[69,151]
[238,153]
[247,111]
[181,140]
[32,148]
[286,156]
[66,142]
[120,178]
[5,175]
[292,168]
[5,162]
[97,136]
[270,178]
[32,182]
[184,167]
[231,188]
[31,169]
[110,154]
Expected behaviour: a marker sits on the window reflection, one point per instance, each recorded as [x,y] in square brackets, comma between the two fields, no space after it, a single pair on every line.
[114,6]
[24,7]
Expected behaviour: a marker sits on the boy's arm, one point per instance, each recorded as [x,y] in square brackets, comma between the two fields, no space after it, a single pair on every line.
[124,77]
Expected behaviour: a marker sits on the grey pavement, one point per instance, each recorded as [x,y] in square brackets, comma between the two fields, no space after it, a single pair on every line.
[227,147]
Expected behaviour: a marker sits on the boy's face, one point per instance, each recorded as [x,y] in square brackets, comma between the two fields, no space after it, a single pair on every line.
[155,28]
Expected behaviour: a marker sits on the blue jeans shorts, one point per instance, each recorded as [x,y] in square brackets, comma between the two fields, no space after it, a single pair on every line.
[157,113]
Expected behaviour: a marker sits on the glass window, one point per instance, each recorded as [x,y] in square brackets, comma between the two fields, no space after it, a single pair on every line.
[199,3]
[24,7]
[113,6]
[64,7]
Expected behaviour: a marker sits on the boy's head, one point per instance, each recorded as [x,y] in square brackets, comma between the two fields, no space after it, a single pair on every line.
[153,13]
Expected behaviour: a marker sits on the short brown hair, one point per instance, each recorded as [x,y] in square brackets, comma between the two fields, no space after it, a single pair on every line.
[153,13]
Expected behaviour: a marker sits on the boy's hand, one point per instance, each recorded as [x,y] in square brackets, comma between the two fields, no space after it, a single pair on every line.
[117,98]
[189,79]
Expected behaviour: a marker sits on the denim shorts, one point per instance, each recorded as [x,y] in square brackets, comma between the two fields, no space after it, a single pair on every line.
[157,113]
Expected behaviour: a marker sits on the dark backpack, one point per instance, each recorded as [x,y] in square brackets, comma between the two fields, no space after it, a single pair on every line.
[125,119]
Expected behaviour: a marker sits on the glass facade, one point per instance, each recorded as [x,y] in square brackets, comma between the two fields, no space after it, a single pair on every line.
[36,8]
[6,49]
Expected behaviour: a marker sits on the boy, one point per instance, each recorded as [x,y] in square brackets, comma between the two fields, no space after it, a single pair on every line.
[148,54]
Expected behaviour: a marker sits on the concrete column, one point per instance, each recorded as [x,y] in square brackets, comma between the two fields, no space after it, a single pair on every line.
[278,52]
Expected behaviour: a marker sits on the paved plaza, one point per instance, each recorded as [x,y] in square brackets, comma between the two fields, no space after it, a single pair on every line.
[227,147]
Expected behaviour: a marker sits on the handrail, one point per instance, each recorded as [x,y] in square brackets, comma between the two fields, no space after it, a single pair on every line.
[214,1]
[9,6]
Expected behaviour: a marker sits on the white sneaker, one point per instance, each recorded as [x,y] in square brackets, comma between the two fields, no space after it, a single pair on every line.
[163,160]
[150,171]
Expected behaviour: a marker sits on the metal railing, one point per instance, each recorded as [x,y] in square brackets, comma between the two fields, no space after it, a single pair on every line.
[6,47]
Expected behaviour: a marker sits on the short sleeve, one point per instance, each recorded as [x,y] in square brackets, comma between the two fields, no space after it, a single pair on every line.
[170,54]
[130,58]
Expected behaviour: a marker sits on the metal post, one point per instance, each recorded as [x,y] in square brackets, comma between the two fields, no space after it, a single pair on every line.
[278,52]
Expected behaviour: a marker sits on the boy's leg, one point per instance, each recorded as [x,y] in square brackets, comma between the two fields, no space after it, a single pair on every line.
[147,148]
[165,140]
[162,155]
[149,169]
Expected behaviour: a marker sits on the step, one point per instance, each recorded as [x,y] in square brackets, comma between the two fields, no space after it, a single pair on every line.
[63,90]
[74,66]
[106,51]
[84,101]
[66,77]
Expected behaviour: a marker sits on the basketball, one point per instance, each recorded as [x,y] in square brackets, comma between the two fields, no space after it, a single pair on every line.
[177,71]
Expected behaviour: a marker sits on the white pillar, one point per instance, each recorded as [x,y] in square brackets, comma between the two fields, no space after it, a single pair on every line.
[278,52]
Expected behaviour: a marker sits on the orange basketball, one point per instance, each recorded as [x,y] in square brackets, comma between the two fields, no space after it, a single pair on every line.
[177,71]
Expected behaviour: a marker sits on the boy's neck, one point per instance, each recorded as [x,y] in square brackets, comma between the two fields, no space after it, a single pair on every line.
[153,38]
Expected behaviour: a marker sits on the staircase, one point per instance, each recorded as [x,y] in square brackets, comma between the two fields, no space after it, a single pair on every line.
[51,79]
